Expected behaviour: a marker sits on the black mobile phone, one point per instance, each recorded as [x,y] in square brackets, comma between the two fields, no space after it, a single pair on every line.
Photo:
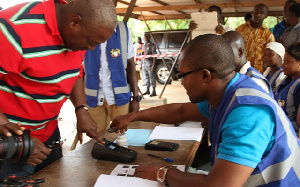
[161,145]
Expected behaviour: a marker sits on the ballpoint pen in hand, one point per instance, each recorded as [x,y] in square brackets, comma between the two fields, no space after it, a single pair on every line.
[166,159]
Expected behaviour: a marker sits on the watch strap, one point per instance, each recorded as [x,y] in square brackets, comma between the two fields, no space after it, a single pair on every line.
[137,98]
[83,106]
[162,173]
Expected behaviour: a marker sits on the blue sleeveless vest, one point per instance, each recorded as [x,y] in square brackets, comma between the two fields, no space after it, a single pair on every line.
[251,72]
[281,166]
[116,52]
[273,77]
[285,95]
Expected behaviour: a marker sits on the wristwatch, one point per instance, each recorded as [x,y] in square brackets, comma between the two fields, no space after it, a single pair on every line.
[137,98]
[84,106]
[162,173]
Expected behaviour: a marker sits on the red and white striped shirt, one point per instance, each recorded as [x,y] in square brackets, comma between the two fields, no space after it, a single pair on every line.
[37,71]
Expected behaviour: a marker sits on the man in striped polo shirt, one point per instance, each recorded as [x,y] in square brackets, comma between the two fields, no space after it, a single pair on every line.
[41,53]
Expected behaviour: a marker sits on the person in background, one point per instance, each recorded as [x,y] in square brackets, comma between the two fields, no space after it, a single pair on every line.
[41,67]
[279,28]
[273,58]
[291,34]
[256,36]
[247,17]
[253,142]
[236,41]
[149,66]
[138,52]
[288,92]
[111,79]
[221,28]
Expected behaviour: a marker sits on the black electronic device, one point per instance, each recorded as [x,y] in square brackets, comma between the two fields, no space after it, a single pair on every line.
[161,146]
[113,152]
[17,147]
[17,181]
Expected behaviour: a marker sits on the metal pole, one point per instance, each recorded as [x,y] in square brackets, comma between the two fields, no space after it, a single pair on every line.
[175,62]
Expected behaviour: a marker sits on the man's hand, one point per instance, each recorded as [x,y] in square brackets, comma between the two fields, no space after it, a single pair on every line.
[220,30]
[40,152]
[122,122]
[193,26]
[9,128]
[86,124]
[148,171]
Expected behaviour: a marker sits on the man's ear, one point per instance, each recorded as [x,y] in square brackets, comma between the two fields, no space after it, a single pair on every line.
[206,75]
[241,52]
[76,21]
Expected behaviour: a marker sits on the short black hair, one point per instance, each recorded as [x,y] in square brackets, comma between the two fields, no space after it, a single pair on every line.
[294,51]
[263,5]
[209,51]
[291,1]
[295,9]
[216,7]
[248,16]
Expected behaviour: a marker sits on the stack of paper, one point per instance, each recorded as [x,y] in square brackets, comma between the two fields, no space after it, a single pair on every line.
[206,23]
[122,175]
[110,181]
[177,133]
[189,124]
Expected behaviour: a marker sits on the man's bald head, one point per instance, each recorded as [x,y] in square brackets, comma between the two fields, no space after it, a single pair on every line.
[211,52]
[237,43]
[85,23]
[234,37]
[96,13]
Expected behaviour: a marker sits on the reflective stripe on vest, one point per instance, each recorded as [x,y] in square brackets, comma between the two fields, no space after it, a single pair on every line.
[290,107]
[124,89]
[279,170]
[91,92]
[124,46]
[251,72]
[274,77]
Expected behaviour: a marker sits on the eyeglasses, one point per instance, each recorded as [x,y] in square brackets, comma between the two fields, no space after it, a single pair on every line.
[181,75]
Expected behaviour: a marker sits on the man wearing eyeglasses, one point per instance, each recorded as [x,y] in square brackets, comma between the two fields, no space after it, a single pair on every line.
[253,142]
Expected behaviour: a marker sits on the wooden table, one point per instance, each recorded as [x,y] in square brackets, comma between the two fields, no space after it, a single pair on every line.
[79,168]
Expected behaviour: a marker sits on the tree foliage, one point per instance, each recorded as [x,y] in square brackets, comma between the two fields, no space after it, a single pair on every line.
[138,27]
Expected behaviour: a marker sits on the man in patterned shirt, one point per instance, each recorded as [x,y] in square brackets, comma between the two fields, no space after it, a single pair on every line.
[256,36]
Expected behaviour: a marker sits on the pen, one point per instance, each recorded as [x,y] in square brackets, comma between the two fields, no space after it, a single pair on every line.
[166,159]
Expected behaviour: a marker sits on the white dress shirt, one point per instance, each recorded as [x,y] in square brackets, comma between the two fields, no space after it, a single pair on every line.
[105,83]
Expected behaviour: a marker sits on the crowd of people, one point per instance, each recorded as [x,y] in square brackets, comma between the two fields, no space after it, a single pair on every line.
[245,84]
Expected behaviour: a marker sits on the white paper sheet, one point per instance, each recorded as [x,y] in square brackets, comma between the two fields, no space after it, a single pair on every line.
[189,124]
[111,181]
[126,170]
[206,21]
[115,178]
[176,133]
